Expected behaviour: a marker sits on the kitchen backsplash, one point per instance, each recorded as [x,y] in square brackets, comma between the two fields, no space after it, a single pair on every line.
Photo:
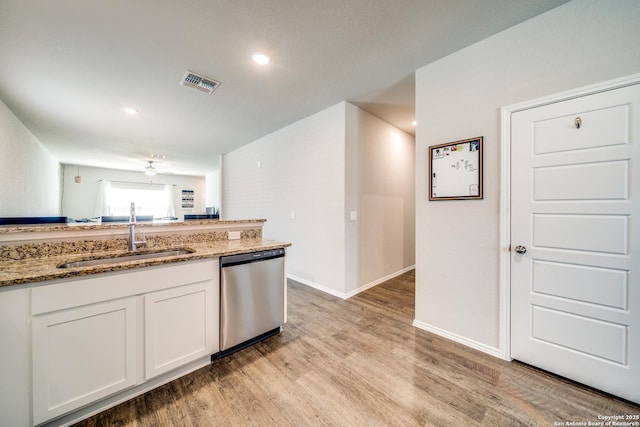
[154,241]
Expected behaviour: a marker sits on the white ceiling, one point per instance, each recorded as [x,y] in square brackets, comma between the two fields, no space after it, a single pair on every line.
[68,67]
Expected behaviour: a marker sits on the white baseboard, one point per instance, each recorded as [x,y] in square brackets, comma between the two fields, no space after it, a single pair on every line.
[316,286]
[378,281]
[350,294]
[493,351]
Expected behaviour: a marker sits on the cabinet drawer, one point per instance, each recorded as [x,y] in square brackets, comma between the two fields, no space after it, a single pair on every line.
[52,296]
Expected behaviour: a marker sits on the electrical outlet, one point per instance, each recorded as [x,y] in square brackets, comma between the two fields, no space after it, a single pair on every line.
[354,215]
[293,214]
[234,235]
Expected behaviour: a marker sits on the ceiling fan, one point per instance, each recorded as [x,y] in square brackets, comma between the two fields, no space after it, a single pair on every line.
[152,165]
[150,170]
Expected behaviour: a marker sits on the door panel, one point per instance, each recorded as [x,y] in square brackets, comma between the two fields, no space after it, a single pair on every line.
[575,292]
[602,128]
[601,286]
[593,181]
[589,336]
[594,233]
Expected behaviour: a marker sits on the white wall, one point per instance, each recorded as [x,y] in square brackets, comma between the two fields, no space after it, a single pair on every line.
[460,96]
[79,200]
[321,168]
[381,189]
[213,188]
[298,169]
[29,174]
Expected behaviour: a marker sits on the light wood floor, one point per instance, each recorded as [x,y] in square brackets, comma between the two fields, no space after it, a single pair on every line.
[360,363]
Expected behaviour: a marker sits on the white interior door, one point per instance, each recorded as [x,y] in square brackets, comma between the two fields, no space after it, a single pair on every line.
[575,209]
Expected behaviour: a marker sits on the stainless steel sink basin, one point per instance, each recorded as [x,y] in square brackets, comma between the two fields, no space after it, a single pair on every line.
[127,257]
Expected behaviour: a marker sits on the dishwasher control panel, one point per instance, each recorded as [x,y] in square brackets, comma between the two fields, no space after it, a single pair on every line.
[251,256]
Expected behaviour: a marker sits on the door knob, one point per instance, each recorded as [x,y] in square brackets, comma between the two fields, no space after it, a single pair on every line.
[520,249]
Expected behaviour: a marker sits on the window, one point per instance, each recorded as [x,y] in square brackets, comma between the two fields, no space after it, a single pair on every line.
[114,199]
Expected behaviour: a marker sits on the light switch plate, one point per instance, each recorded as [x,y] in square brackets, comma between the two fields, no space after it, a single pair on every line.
[354,215]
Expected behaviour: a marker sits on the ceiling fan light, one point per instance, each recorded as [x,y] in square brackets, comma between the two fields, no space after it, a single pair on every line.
[150,170]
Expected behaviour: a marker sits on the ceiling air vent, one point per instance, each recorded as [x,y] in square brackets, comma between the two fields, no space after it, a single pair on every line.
[201,83]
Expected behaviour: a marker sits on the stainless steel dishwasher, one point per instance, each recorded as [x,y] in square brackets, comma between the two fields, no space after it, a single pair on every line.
[252,298]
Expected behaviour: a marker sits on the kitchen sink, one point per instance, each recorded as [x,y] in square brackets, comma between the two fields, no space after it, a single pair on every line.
[130,256]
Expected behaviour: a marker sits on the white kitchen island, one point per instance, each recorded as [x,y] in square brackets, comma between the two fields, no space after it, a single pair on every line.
[77,341]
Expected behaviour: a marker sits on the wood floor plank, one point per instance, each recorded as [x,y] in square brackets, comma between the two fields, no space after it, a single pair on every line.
[360,362]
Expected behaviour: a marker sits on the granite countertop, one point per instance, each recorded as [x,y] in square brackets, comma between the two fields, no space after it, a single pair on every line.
[36,228]
[46,268]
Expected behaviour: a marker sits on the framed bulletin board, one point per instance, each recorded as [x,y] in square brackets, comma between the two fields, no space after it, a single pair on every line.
[455,171]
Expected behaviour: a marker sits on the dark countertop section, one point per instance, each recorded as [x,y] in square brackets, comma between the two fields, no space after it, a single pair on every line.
[188,217]
[22,220]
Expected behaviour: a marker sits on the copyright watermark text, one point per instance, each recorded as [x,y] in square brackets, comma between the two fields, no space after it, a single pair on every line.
[625,420]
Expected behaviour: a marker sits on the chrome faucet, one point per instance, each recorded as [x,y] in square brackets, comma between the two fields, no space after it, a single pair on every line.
[132,230]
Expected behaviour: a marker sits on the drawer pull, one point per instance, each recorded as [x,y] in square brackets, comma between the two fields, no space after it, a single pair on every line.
[578,122]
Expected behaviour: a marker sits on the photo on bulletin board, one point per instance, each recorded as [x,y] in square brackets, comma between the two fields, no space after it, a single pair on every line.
[455,171]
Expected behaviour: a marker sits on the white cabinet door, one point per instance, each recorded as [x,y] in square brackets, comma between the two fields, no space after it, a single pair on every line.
[15,352]
[81,355]
[181,325]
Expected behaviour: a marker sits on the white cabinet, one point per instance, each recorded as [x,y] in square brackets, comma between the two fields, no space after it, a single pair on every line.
[179,327]
[111,333]
[15,388]
[81,355]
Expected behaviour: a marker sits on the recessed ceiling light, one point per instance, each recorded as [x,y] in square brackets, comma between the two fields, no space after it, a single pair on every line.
[131,111]
[260,58]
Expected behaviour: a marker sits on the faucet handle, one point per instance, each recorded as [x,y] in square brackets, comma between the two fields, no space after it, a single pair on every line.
[132,216]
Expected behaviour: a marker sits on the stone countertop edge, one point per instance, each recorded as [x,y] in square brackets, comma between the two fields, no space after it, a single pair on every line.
[35,228]
[44,269]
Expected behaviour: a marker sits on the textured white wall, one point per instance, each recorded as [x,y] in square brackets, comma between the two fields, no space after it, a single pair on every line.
[460,96]
[79,200]
[29,174]
[300,169]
